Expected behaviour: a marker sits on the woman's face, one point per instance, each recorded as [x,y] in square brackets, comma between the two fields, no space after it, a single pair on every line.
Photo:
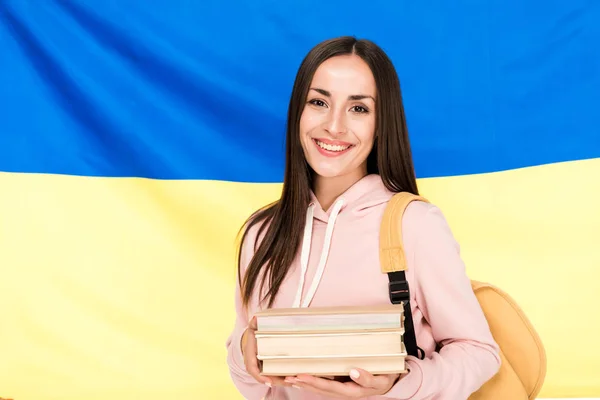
[337,126]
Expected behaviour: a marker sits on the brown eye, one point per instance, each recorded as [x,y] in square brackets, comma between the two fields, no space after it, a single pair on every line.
[359,109]
[318,103]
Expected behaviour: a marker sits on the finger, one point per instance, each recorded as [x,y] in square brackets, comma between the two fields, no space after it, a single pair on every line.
[253,368]
[251,362]
[252,324]
[277,380]
[305,386]
[362,377]
[325,376]
[349,389]
[368,380]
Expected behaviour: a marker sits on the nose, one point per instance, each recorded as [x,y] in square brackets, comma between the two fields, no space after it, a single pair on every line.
[336,123]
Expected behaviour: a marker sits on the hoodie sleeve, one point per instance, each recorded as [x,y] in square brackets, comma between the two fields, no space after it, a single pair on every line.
[248,387]
[469,356]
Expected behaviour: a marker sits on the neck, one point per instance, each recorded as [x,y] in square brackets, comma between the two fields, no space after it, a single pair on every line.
[328,189]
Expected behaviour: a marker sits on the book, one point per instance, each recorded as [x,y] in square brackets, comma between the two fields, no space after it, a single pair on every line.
[333,366]
[330,341]
[330,318]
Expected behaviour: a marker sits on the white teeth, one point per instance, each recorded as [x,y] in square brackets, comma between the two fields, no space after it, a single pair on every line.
[331,147]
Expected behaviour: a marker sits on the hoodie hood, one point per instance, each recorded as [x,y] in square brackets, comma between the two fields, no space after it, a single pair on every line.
[364,194]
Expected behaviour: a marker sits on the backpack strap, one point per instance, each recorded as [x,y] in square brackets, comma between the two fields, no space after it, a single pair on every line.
[393,263]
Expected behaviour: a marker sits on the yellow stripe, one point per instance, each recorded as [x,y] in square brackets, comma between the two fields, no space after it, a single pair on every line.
[535,232]
[118,288]
[122,288]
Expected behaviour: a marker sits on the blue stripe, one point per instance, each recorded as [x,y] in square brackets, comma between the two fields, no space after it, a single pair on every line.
[179,90]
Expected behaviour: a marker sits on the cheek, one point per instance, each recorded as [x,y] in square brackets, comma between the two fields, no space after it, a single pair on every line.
[308,121]
[305,128]
[366,132]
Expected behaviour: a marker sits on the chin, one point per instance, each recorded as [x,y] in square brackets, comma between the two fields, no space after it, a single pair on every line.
[328,171]
[328,174]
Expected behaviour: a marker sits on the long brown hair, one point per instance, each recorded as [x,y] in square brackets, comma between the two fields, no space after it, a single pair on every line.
[390,157]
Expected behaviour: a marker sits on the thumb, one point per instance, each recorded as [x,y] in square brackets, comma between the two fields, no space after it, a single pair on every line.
[252,324]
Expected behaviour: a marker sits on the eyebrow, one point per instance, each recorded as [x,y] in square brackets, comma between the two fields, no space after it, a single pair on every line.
[351,97]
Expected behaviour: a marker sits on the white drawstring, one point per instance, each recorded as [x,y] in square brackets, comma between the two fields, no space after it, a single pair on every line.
[306,251]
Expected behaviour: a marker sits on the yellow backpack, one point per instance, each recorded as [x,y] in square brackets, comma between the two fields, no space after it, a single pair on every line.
[523,368]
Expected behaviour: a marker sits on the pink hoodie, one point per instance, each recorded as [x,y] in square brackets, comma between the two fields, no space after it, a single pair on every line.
[444,308]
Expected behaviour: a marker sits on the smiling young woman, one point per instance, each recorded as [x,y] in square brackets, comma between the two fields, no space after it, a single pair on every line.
[347,153]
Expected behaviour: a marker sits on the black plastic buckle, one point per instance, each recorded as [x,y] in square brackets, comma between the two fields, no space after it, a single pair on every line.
[399,291]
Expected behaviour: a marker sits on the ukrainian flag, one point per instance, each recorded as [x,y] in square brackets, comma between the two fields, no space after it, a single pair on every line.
[136,137]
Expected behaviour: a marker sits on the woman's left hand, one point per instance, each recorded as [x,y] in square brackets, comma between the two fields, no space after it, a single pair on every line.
[363,384]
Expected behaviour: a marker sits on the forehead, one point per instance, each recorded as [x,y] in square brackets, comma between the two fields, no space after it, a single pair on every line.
[347,74]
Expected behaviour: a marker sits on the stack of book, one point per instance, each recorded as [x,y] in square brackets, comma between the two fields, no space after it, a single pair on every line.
[330,341]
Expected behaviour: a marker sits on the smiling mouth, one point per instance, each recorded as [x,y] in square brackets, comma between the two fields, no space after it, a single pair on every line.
[332,147]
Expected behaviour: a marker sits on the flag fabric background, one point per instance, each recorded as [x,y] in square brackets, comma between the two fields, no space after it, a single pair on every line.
[136,137]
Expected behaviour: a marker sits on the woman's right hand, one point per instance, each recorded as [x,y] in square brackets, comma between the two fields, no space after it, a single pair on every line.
[249,351]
